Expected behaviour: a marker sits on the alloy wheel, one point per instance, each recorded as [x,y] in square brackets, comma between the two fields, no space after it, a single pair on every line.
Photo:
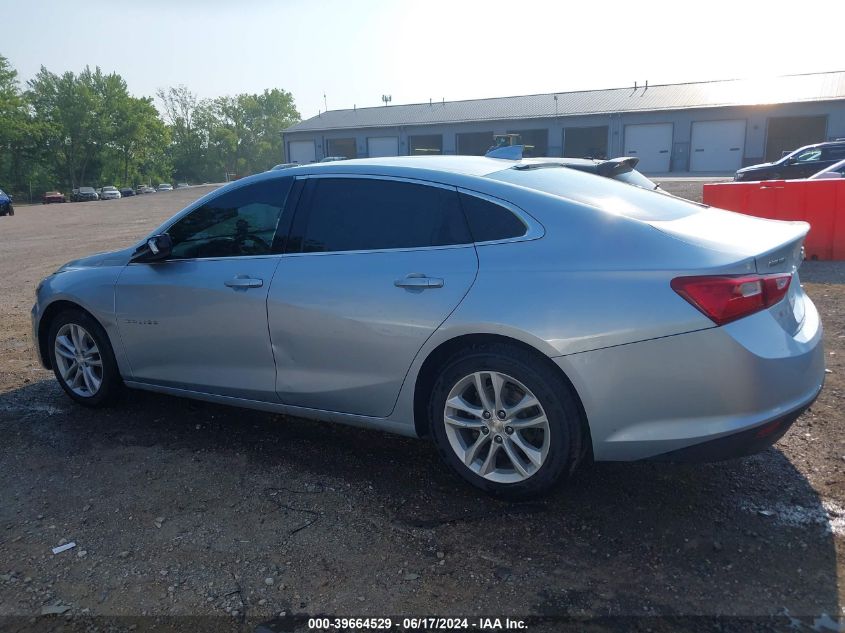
[79,361]
[497,427]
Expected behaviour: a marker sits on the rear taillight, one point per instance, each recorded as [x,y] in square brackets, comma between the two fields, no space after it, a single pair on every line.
[727,298]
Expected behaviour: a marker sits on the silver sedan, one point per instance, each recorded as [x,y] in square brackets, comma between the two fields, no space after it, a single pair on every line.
[524,315]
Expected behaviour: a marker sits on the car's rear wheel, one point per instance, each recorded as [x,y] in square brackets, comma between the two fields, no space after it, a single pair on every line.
[505,421]
[82,359]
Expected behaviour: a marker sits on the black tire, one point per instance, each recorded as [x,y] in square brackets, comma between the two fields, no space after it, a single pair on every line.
[548,386]
[11,210]
[111,383]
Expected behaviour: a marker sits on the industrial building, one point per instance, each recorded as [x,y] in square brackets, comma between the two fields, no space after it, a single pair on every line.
[705,127]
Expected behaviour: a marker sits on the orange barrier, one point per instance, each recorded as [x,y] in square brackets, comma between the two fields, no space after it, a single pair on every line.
[819,202]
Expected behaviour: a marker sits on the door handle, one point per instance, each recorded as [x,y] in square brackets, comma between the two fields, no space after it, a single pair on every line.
[242,282]
[418,280]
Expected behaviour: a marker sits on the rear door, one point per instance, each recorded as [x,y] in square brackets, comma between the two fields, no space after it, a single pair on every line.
[374,266]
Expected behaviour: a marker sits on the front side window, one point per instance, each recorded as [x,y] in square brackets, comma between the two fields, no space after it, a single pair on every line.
[350,214]
[809,155]
[238,223]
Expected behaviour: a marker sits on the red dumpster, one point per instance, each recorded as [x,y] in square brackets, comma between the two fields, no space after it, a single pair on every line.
[819,202]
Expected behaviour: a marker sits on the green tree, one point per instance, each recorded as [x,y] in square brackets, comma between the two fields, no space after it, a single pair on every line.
[16,130]
[180,108]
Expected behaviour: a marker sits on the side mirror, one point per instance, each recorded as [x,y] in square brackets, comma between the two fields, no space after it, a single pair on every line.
[155,249]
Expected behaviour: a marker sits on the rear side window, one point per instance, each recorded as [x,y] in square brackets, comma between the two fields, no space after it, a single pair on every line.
[489,221]
[834,152]
[353,214]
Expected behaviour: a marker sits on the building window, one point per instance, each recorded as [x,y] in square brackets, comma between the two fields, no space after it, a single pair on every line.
[474,143]
[535,142]
[341,147]
[425,145]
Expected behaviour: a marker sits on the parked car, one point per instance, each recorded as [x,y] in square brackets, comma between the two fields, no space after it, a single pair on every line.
[127,191]
[837,170]
[283,166]
[165,187]
[52,197]
[140,189]
[6,207]
[524,316]
[802,163]
[149,189]
[84,194]
[109,193]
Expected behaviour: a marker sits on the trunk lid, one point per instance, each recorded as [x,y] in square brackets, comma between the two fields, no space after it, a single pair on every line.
[775,247]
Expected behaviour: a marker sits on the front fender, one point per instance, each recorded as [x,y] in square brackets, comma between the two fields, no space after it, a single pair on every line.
[91,289]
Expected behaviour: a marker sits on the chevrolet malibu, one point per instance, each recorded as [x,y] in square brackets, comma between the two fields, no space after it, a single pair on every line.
[522,315]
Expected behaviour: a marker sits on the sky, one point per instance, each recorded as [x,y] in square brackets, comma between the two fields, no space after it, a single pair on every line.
[355,51]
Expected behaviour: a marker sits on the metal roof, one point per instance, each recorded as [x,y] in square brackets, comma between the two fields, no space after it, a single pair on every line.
[708,94]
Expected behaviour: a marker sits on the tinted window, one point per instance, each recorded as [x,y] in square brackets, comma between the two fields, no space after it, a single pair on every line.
[489,221]
[834,152]
[238,223]
[350,214]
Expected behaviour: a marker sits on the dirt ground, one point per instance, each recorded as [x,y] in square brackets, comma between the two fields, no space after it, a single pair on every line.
[182,508]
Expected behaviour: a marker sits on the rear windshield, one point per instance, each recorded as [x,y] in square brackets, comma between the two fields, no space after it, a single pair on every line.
[603,193]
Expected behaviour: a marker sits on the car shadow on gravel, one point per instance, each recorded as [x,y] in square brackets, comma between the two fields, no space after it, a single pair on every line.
[746,537]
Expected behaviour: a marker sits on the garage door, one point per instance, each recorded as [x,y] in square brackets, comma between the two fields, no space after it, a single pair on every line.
[652,144]
[717,145]
[302,152]
[383,146]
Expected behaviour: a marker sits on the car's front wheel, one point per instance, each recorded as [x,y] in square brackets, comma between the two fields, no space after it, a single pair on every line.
[82,359]
[505,421]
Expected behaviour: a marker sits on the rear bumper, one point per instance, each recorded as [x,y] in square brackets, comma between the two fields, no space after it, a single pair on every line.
[740,444]
[710,394]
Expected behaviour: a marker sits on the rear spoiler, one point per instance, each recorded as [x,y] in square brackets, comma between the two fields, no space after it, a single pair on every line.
[615,166]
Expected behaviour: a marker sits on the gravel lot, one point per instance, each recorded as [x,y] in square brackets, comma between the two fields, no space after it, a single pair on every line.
[187,508]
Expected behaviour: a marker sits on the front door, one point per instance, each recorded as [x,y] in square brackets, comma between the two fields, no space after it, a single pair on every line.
[199,319]
[375,266]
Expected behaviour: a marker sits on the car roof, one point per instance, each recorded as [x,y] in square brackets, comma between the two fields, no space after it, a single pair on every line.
[467,165]
[823,144]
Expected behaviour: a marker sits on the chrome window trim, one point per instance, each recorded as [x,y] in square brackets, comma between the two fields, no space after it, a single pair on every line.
[413,181]
[206,259]
[534,230]
[413,249]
